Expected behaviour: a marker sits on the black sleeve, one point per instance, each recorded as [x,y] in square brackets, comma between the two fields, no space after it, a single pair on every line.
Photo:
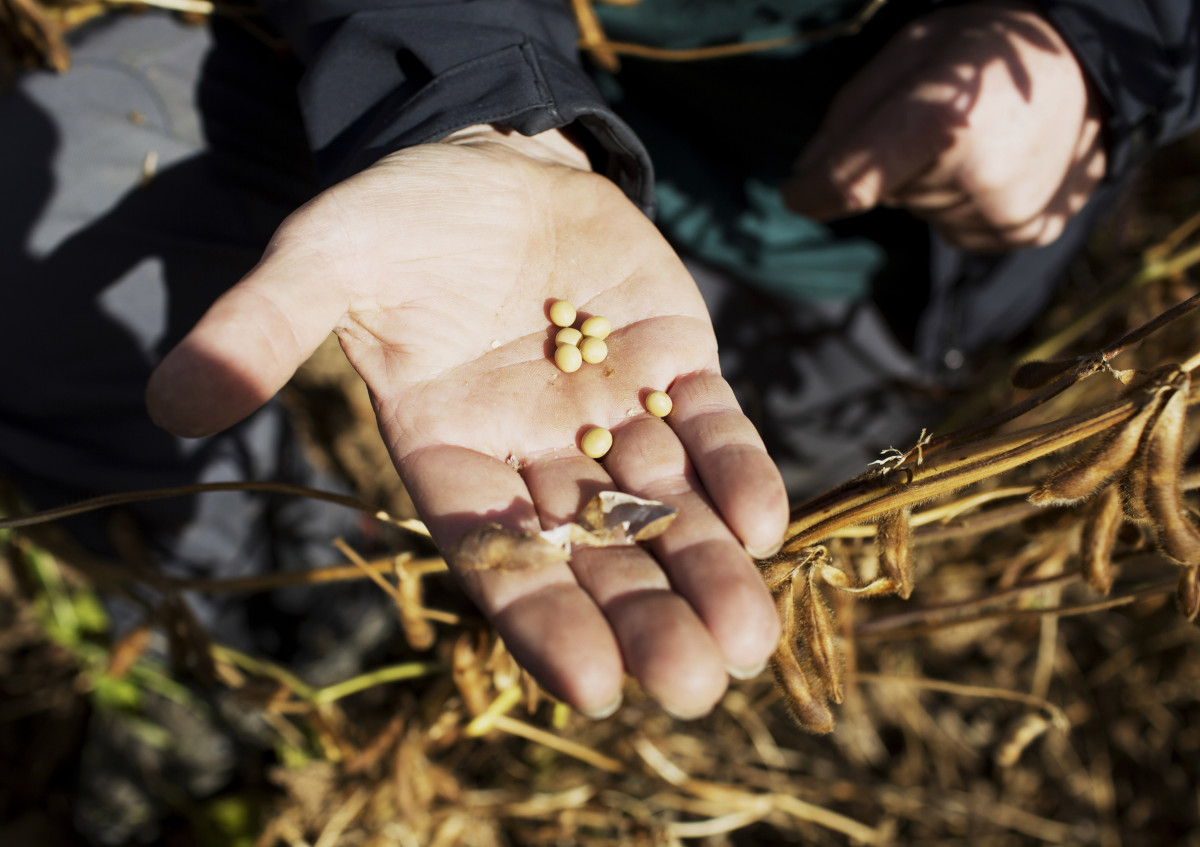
[1144,58]
[385,74]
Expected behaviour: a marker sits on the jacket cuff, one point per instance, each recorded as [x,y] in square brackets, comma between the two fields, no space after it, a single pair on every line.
[382,82]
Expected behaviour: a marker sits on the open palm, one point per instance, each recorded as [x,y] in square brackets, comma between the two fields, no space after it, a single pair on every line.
[436,268]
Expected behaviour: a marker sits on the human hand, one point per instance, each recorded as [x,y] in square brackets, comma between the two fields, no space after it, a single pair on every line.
[976,118]
[435,269]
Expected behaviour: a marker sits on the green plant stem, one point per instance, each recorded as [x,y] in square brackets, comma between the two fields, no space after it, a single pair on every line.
[393,673]
[264,668]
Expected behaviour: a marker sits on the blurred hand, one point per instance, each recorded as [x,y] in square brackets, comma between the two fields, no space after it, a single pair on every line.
[976,118]
[435,268]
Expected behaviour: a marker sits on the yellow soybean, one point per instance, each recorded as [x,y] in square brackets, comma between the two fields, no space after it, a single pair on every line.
[658,403]
[596,442]
[568,358]
[596,326]
[568,335]
[562,313]
[593,349]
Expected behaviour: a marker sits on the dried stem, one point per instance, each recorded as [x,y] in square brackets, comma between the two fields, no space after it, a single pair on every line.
[108,500]
[556,742]
[867,498]
[1057,715]
[949,612]
[381,676]
[1157,590]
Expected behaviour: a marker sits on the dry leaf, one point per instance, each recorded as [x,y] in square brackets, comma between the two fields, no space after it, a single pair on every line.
[611,518]
[489,546]
[625,519]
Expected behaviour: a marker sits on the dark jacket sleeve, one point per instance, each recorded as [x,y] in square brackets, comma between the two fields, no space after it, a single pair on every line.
[381,75]
[1144,58]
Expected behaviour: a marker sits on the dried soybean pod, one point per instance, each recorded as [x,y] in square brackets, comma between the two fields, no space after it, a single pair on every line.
[1099,537]
[1082,477]
[816,625]
[1177,535]
[808,708]
[1135,480]
[892,536]
[1187,592]
[1133,490]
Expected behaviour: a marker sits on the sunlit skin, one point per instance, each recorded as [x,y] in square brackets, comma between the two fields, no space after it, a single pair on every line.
[421,264]
[977,118]
[437,267]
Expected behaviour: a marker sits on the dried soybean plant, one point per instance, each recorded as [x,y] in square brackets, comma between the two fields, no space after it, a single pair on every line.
[1129,472]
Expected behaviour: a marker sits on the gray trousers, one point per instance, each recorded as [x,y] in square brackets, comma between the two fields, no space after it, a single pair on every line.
[103,270]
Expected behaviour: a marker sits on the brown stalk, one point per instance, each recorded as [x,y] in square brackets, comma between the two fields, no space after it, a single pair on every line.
[1058,718]
[109,500]
[1023,733]
[866,498]
[1157,590]
[468,673]
[128,649]
[370,756]
[960,609]
[188,643]
[418,629]
[1085,366]
[333,573]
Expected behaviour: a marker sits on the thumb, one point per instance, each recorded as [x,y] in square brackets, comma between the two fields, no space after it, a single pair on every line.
[246,346]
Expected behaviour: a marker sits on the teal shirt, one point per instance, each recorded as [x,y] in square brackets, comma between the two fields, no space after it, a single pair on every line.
[723,132]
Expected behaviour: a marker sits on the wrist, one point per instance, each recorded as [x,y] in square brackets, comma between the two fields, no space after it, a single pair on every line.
[555,146]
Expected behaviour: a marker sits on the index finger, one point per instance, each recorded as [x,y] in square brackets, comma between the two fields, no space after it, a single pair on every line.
[549,624]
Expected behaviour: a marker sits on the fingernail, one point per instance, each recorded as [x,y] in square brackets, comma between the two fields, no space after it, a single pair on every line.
[766,553]
[747,673]
[607,712]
